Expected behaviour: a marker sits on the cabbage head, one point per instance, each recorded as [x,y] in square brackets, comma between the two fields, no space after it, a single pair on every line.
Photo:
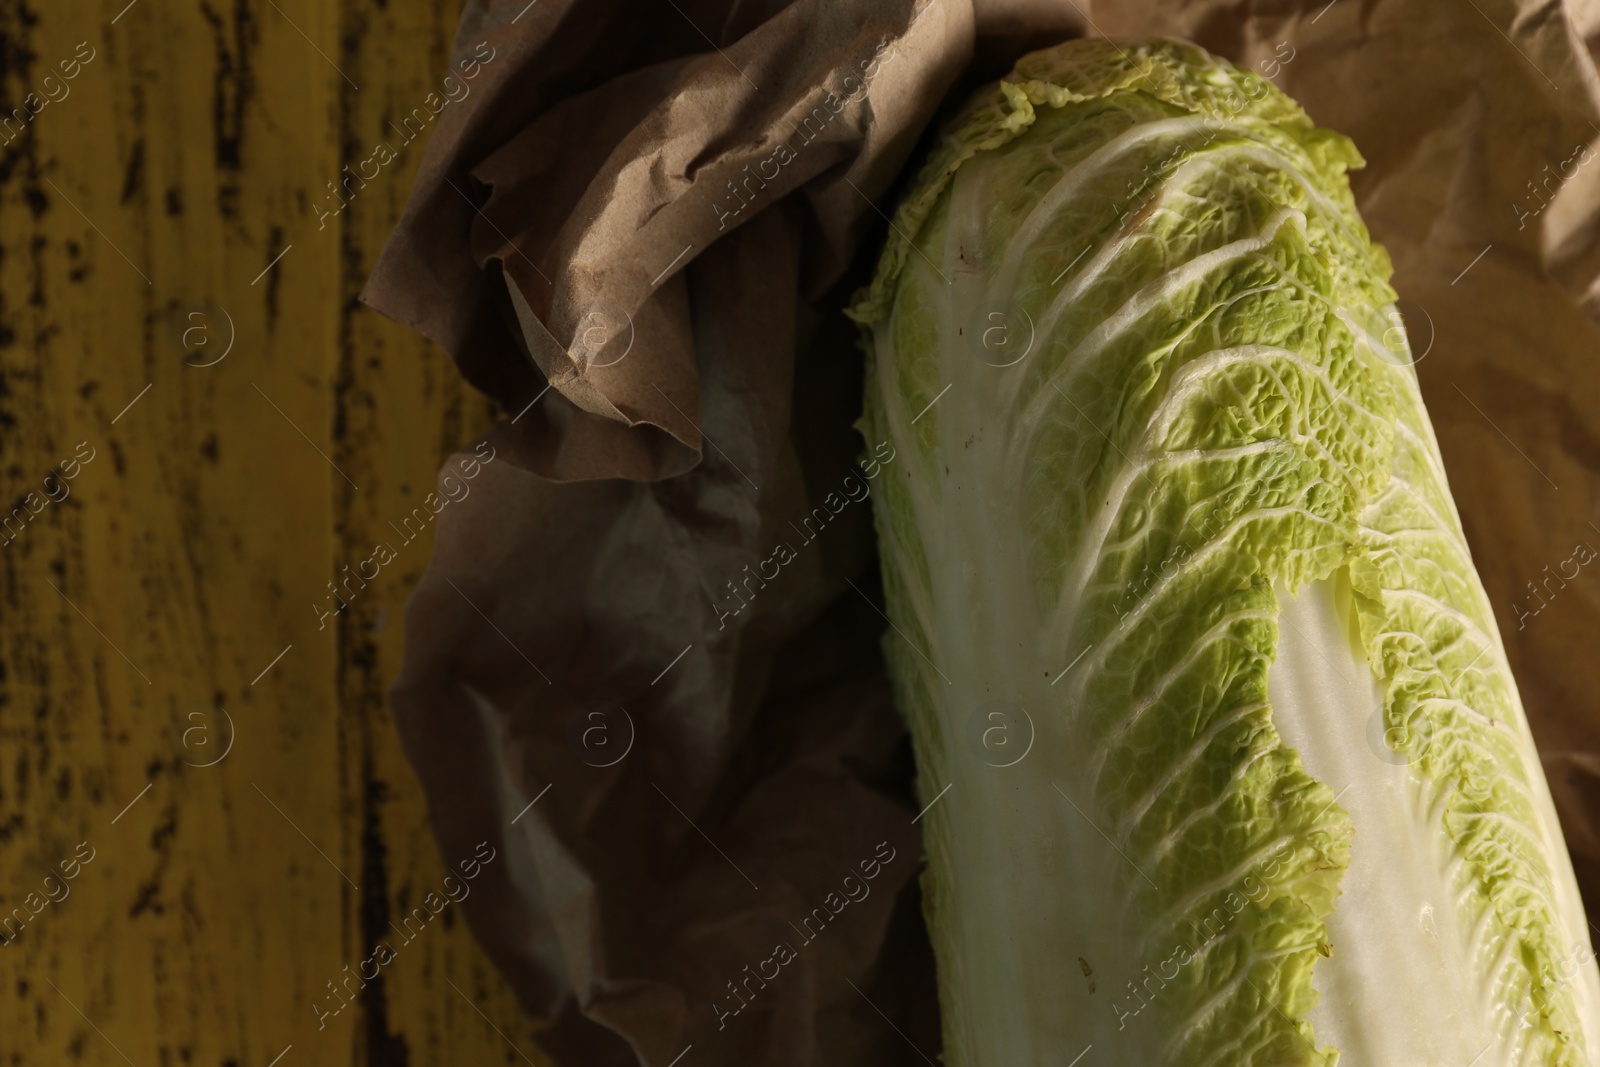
[1225,763]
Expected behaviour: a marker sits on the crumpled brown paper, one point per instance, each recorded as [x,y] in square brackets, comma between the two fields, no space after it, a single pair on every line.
[636,235]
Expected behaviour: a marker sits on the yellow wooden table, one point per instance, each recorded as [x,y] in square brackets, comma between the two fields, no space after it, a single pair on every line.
[204,813]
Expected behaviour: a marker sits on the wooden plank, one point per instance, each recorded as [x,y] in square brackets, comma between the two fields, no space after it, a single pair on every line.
[177,573]
[405,410]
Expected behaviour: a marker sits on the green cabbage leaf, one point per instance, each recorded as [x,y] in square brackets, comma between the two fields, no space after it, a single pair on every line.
[1224,759]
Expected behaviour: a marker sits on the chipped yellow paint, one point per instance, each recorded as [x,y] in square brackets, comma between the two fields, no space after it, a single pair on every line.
[206,783]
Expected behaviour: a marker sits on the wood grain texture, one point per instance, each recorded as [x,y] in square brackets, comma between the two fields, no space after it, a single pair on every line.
[189,551]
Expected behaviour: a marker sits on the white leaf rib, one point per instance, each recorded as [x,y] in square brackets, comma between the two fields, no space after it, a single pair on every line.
[1449,611]
[1269,1012]
[1071,181]
[1328,213]
[1247,1053]
[1223,540]
[1186,1027]
[1222,881]
[1422,448]
[1159,849]
[900,429]
[1219,632]
[1199,370]
[921,610]
[1152,294]
[1111,251]
[1398,487]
